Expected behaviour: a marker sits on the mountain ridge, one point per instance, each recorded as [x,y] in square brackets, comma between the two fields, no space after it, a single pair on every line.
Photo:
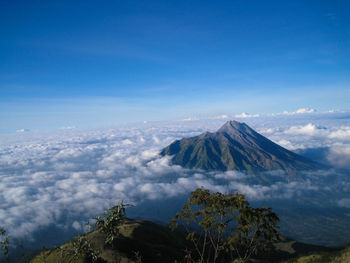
[157,243]
[235,146]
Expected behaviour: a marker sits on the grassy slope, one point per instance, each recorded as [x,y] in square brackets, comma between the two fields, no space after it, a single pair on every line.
[157,243]
[154,242]
[342,256]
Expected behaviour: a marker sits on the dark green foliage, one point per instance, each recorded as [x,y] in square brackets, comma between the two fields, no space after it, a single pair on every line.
[225,226]
[80,248]
[110,221]
[4,243]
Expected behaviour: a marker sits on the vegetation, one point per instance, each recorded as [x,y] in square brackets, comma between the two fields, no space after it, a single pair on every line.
[110,221]
[225,227]
[4,243]
[81,248]
[342,256]
[138,241]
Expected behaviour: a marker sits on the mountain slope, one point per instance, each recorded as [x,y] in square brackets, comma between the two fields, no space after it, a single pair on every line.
[158,244]
[153,242]
[235,146]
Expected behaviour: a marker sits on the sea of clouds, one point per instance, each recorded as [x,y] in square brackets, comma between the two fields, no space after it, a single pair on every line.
[68,176]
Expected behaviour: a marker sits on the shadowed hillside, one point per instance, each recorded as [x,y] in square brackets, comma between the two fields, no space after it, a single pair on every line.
[153,242]
[158,244]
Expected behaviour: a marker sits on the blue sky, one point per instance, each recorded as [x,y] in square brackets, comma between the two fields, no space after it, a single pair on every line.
[88,63]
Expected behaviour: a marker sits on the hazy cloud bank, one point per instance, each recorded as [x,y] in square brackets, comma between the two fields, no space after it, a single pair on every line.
[72,175]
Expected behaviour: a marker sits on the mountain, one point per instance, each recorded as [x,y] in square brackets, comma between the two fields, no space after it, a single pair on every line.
[235,146]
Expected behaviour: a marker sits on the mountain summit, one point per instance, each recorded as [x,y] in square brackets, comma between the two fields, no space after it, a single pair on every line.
[235,146]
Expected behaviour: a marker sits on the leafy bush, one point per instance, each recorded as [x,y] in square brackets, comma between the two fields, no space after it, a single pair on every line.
[110,221]
[80,248]
[228,226]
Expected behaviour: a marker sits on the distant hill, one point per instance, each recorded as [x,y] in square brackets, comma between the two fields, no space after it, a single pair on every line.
[235,146]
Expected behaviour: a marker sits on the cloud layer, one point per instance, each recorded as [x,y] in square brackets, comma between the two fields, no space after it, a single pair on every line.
[71,175]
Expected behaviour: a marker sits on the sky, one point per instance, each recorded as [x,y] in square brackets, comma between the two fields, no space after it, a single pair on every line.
[88,63]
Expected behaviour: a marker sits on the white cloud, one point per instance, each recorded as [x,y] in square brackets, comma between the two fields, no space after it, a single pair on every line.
[344,202]
[223,116]
[288,145]
[74,175]
[76,225]
[309,129]
[23,130]
[342,134]
[230,175]
[300,111]
[339,155]
[217,117]
[245,115]
[191,119]
[127,142]
[305,110]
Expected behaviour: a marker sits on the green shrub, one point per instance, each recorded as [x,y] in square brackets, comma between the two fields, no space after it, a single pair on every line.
[110,221]
[225,225]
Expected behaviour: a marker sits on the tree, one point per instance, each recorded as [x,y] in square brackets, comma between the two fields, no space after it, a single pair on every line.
[110,221]
[225,226]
